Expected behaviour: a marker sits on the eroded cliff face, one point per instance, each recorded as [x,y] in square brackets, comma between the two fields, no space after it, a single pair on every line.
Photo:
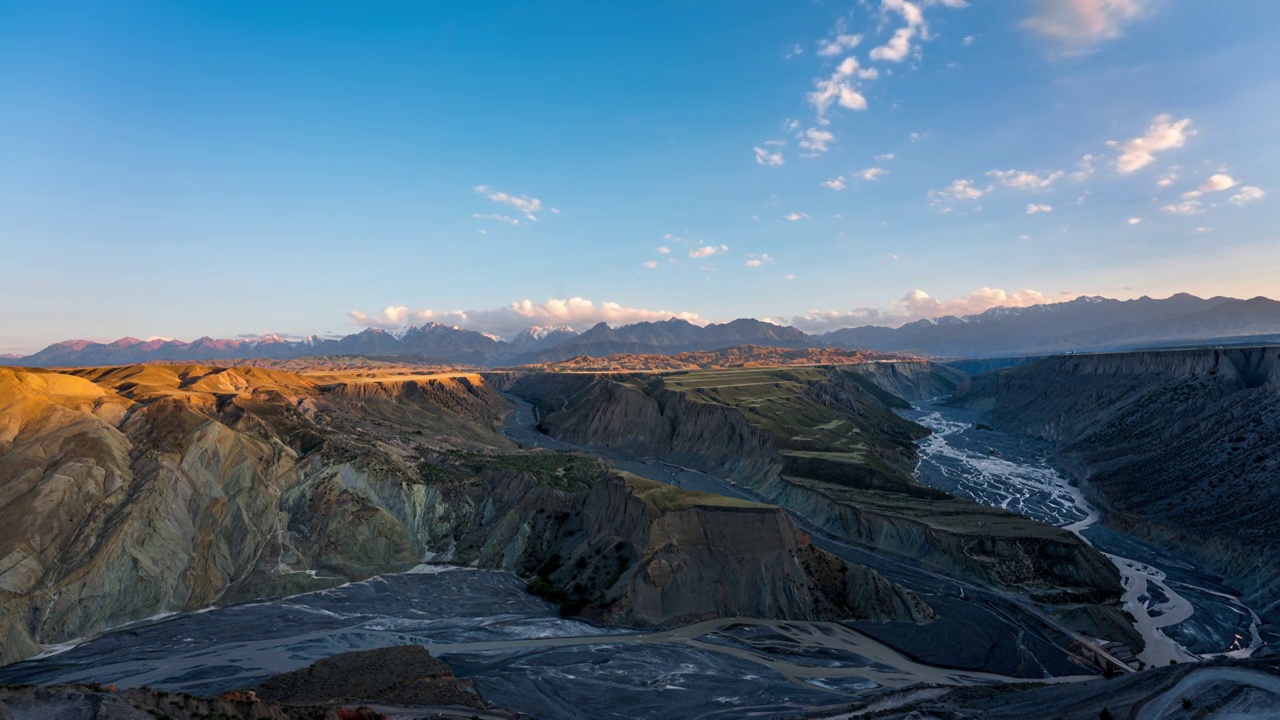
[130,492]
[1180,446]
[911,379]
[823,445]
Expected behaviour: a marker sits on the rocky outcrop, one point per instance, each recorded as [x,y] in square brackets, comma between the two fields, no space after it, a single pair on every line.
[911,379]
[823,445]
[1182,447]
[639,416]
[405,676]
[341,687]
[131,492]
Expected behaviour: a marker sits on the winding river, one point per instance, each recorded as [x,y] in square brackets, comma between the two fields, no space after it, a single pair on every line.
[1183,613]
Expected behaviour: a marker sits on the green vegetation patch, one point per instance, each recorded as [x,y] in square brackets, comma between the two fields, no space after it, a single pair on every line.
[561,470]
[669,498]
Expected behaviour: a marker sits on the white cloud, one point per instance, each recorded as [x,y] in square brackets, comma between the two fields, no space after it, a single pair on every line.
[1164,134]
[789,277]
[1024,180]
[707,251]
[898,47]
[1135,220]
[1192,194]
[969,40]
[530,206]
[764,157]
[835,183]
[1187,207]
[892,256]
[918,136]
[1084,168]
[871,173]
[839,88]
[958,190]
[498,218]
[1167,179]
[916,305]
[576,312]
[886,156]
[1033,208]
[651,264]
[795,216]
[815,140]
[919,302]
[1218,183]
[1247,194]
[664,250]
[1080,24]
[838,45]
[758,260]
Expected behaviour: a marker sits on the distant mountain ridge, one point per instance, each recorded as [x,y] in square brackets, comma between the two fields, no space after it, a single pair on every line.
[1087,323]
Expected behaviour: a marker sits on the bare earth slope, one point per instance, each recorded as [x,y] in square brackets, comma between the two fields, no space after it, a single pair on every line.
[824,443]
[134,491]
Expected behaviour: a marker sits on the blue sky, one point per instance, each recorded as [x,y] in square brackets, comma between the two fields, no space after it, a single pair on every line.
[180,169]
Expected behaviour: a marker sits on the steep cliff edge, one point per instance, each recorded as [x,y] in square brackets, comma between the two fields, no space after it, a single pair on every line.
[821,443]
[130,492]
[1180,446]
[911,379]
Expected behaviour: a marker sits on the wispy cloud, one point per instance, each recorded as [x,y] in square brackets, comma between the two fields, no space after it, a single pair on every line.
[708,251]
[835,183]
[794,216]
[530,206]
[1186,207]
[1076,26]
[1247,194]
[899,46]
[1025,180]
[1034,208]
[496,217]
[758,260]
[839,44]
[871,173]
[815,140]
[839,88]
[958,190]
[764,157]
[1163,134]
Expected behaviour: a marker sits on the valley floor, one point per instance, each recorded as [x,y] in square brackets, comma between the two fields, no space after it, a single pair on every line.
[1183,613]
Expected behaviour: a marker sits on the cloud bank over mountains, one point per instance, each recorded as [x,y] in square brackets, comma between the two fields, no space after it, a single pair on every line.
[581,313]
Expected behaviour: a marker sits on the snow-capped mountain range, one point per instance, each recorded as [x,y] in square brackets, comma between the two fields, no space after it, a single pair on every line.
[1084,324]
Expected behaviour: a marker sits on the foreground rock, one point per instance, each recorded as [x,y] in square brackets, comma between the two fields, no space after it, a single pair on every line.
[370,685]
[405,676]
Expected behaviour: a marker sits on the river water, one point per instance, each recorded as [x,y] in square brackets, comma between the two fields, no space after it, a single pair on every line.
[1183,612]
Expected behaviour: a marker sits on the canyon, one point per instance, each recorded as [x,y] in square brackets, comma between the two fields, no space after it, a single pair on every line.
[721,514]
